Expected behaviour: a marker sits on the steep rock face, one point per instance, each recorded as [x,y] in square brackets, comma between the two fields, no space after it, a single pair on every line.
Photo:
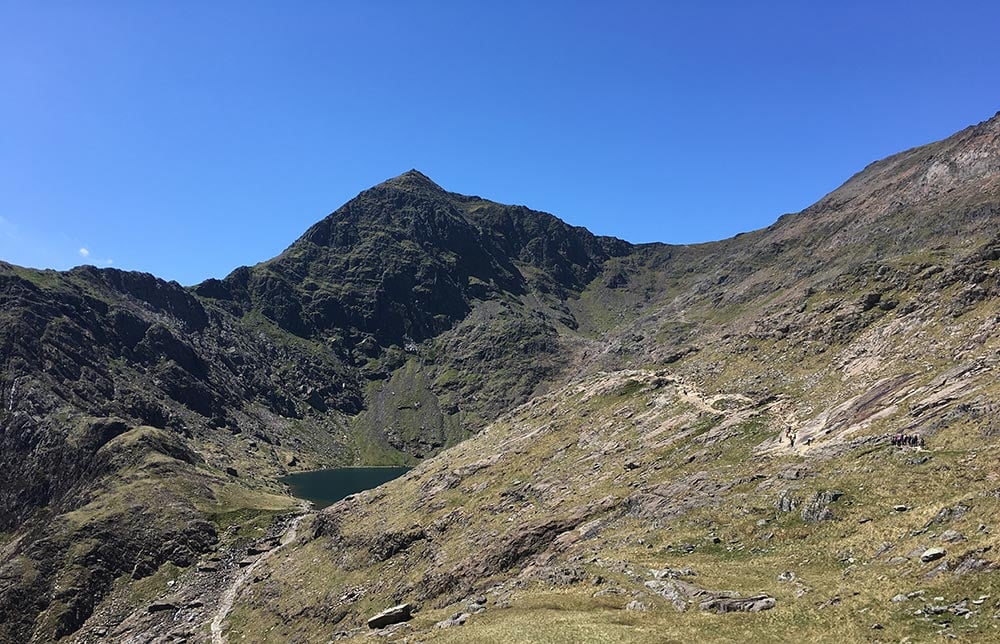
[470,293]
[405,261]
[110,343]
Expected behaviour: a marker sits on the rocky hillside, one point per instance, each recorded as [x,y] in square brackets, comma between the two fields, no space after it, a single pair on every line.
[400,324]
[810,445]
[670,431]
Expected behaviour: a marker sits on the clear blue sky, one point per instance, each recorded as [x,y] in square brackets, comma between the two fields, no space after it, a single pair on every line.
[187,138]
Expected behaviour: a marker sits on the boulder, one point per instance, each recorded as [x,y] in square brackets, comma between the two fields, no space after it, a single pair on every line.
[476,604]
[159,606]
[818,507]
[458,619]
[672,573]
[786,502]
[394,615]
[939,569]
[753,604]
[971,562]
[932,554]
[676,592]
[947,515]
[952,536]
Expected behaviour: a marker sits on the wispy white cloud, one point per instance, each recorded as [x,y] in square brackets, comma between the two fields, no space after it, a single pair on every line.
[86,254]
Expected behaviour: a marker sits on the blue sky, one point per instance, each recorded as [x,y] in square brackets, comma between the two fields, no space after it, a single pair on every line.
[188,138]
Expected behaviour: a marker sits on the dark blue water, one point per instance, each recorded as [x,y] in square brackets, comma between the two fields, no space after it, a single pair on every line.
[325,487]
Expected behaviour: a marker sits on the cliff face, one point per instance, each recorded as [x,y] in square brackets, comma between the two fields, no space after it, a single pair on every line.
[152,421]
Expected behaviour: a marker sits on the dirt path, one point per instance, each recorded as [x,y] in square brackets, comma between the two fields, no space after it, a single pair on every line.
[229,596]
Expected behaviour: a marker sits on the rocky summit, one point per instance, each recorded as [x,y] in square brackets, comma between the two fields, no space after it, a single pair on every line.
[787,435]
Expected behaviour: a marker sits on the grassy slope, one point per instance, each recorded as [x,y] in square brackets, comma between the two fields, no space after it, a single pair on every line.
[838,571]
[721,474]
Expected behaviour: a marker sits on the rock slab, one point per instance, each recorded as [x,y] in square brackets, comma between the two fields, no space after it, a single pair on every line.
[932,554]
[753,604]
[394,615]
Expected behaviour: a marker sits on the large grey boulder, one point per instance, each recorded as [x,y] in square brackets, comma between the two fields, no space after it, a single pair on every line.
[818,507]
[394,615]
[753,604]
[932,554]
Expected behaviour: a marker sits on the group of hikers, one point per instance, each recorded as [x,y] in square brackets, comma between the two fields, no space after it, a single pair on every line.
[896,440]
[906,440]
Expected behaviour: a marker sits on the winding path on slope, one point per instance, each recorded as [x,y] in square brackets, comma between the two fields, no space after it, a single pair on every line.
[229,596]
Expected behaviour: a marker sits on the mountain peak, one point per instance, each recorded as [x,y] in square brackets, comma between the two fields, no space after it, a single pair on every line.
[413,180]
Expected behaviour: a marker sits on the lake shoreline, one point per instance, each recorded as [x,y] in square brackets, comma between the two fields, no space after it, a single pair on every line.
[324,487]
[345,467]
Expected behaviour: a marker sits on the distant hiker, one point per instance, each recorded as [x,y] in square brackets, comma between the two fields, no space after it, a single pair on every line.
[906,440]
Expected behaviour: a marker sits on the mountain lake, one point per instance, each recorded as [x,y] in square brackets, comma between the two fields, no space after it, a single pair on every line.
[326,487]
